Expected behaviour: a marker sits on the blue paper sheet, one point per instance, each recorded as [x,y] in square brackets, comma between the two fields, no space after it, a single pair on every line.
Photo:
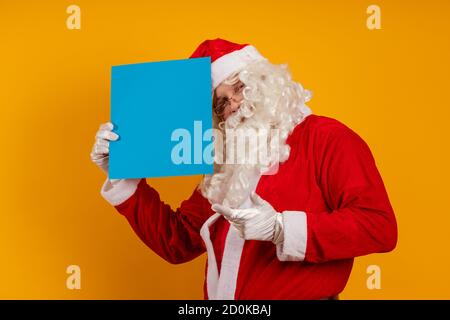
[162,113]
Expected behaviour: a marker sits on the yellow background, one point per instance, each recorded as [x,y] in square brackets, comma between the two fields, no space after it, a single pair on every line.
[389,85]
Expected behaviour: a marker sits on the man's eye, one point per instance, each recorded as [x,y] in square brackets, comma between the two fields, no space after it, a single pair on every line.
[225,104]
[239,87]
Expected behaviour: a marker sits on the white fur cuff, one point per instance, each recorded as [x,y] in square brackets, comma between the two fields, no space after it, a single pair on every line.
[293,247]
[117,191]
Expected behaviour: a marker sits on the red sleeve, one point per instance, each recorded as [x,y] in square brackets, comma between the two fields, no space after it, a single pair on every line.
[173,235]
[361,220]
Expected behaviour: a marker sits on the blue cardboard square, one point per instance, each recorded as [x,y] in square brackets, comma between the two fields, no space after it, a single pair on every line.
[163,116]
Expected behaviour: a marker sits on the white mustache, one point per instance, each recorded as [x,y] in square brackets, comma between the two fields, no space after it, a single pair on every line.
[245,111]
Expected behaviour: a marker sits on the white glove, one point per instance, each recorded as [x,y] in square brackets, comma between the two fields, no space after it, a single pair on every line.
[100,150]
[259,222]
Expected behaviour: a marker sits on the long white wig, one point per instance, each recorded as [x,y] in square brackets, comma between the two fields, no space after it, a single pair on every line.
[272,100]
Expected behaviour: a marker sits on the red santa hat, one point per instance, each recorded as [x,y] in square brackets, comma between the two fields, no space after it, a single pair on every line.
[226,57]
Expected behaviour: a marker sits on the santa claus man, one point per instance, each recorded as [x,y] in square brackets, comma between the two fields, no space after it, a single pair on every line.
[287,228]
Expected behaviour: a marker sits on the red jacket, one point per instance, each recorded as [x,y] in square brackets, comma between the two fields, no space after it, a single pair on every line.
[335,206]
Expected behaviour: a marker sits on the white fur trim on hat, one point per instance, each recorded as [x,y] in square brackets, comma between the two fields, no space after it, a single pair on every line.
[233,62]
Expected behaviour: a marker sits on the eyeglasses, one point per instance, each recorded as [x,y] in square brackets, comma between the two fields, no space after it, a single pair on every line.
[222,102]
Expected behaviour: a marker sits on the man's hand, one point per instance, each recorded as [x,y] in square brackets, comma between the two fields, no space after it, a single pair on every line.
[260,222]
[100,149]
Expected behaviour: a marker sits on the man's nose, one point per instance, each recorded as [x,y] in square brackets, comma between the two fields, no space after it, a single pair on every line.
[238,98]
[235,104]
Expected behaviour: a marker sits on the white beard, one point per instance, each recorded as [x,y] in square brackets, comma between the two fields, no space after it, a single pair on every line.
[281,108]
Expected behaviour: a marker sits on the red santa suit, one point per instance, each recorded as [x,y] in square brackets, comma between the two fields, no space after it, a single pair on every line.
[331,197]
[334,207]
